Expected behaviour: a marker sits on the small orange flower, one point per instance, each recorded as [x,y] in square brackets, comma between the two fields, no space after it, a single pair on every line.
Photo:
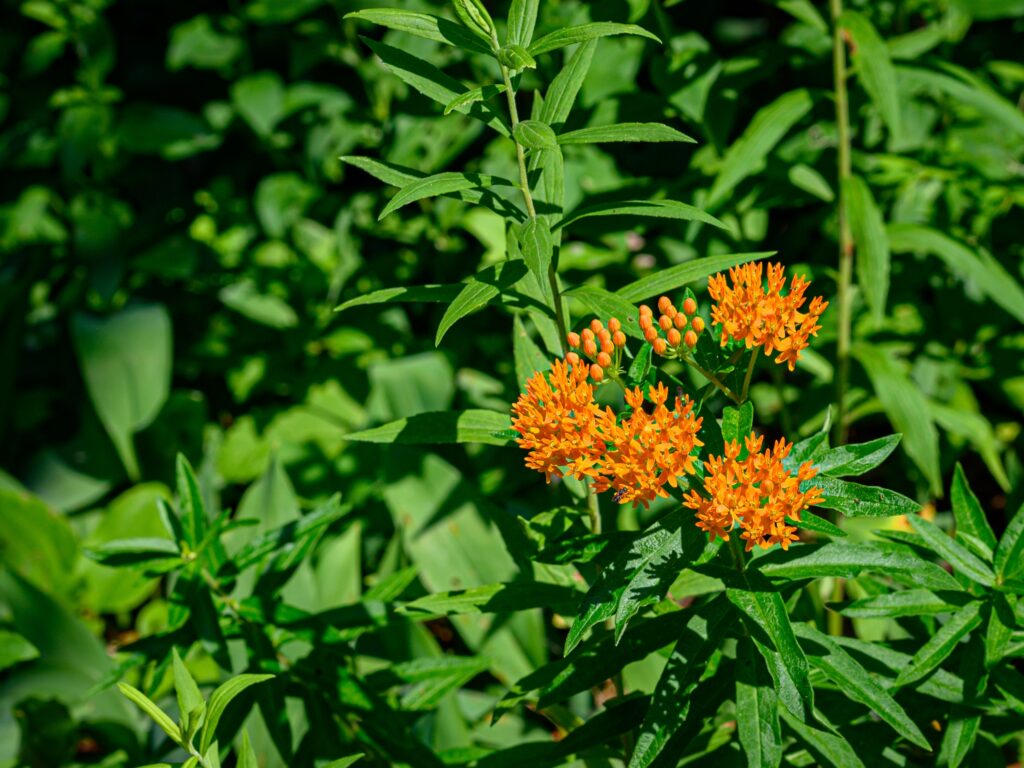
[747,312]
[756,492]
[557,421]
[648,450]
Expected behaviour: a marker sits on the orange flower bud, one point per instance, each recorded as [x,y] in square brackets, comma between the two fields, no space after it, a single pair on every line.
[573,358]
[645,310]
[665,322]
[660,347]
[664,303]
[604,360]
[596,325]
[603,335]
[574,339]
[614,324]
[698,324]
[645,322]
[596,373]
[607,347]
[680,320]
[650,333]
[589,348]
[689,306]
[671,313]
[587,334]
[674,337]
[690,339]
[619,339]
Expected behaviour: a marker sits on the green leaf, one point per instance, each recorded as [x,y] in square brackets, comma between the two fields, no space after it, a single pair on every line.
[803,10]
[658,209]
[941,644]
[584,32]
[438,294]
[766,618]
[831,748]
[522,18]
[757,709]
[651,132]
[666,280]
[961,85]
[606,305]
[345,762]
[640,367]
[266,309]
[425,682]
[874,68]
[494,598]
[1009,559]
[529,358]
[154,712]
[483,93]
[748,154]
[737,423]
[537,247]
[422,25]
[219,701]
[515,57]
[906,407]
[259,99]
[563,89]
[434,84]
[533,134]
[191,705]
[479,290]
[872,246]
[810,181]
[246,755]
[905,602]
[855,682]
[133,551]
[854,460]
[439,428]
[474,15]
[126,363]
[977,267]
[849,560]
[855,500]
[15,649]
[954,553]
[812,522]
[441,184]
[190,501]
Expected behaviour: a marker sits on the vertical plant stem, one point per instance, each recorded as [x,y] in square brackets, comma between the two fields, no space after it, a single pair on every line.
[843,297]
[750,373]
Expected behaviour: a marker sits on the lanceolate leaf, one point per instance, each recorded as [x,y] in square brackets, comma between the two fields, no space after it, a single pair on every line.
[855,500]
[906,602]
[874,68]
[941,644]
[584,32]
[483,93]
[522,17]
[962,86]
[757,708]
[529,358]
[853,460]
[658,209]
[422,25]
[872,245]
[967,511]
[439,428]
[831,748]
[537,246]
[494,598]
[855,682]
[563,89]
[158,716]
[219,701]
[1009,559]
[624,132]
[478,292]
[606,305]
[439,294]
[954,553]
[667,280]
[534,134]
[441,184]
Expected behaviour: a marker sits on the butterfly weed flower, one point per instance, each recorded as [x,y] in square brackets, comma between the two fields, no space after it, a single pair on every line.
[674,333]
[601,345]
[756,493]
[765,318]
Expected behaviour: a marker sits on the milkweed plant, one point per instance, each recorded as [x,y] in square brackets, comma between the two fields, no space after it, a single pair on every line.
[736,587]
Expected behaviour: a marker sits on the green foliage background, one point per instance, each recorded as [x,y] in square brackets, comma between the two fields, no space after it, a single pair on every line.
[177,228]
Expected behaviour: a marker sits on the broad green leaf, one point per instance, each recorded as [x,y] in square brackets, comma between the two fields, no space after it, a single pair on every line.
[15,649]
[483,93]
[494,598]
[874,68]
[522,18]
[855,682]
[126,363]
[533,134]
[941,644]
[259,99]
[854,460]
[770,628]
[849,560]
[441,184]
[966,88]
[1009,559]
[667,280]
[954,553]
[905,602]
[529,358]
[967,511]
[434,84]
[584,32]
[134,551]
[812,522]
[940,685]
[658,209]
[639,369]
[479,290]
[37,544]
[855,500]
[831,748]
[906,407]
[439,428]
[749,152]
[422,25]
[219,701]
[872,246]
[737,423]
[157,715]
[438,294]
[537,247]
[651,132]
[757,709]
[607,305]
[974,266]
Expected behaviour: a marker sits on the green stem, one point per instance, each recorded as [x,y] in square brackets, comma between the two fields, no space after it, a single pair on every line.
[750,373]
[713,379]
[835,619]
[845,236]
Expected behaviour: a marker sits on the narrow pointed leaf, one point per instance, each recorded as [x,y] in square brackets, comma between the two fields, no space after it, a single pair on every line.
[757,708]
[648,132]
[585,32]
[658,209]
[422,25]
[954,553]
[479,291]
[474,425]
[856,459]
[606,305]
[871,243]
[483,93]
[856,500]
[667,280]
[157,715]
[967,511]
[1009,559]
[874,68]
[219,701]
[441,184]
[522,18]
[941,644]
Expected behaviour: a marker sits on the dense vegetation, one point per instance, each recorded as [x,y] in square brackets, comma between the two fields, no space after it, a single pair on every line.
[308,534]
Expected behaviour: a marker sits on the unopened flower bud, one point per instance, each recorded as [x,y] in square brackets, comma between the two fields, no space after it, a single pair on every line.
[645,310]
[660,347]
[596,325]
[573,339]
[589,347]
[679,320]
[587,334]
[698,324]
[604,360]
[614,324]
[650,333]
[664,303]
[690,339]
[596,373]
[603,335]
[619,339]
[674,337]
[689,306]
[645,322]
[665,322]
[607,347]
[572,358]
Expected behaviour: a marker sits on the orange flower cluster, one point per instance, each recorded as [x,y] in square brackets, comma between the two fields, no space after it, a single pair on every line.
[760,318]
[565,432]
[756,492]
[672,322]
[602,345]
